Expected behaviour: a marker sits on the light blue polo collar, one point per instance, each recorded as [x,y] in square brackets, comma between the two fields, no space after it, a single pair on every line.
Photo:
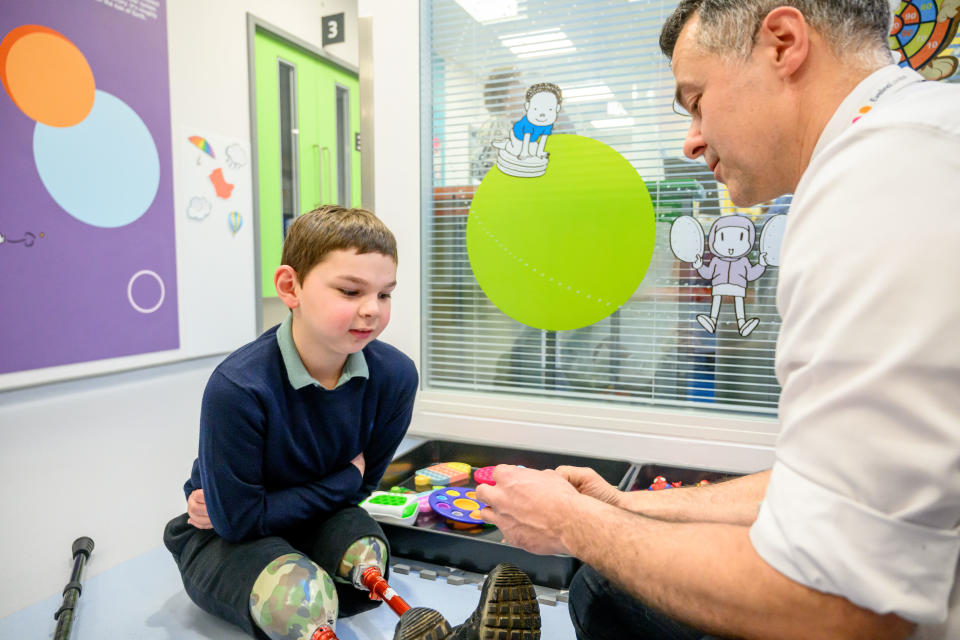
[354,367]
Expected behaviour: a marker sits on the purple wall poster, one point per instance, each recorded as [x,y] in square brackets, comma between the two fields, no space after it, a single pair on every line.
[87,244]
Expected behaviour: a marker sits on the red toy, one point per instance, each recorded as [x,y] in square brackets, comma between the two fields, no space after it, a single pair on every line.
[660,483]
[484,475]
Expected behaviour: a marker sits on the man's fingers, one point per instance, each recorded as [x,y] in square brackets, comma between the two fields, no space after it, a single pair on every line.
[570,474]
[489,515]
[489,493]
[501,470]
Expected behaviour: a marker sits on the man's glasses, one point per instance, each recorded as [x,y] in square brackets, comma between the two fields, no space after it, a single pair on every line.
[679,110]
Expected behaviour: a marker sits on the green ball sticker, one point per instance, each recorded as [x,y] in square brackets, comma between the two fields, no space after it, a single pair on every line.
[563,250]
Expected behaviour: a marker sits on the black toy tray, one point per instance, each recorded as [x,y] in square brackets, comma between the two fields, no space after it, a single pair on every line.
[432,540]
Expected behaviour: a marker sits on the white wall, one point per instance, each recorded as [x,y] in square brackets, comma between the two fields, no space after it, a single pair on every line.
[396,113]
[106,456]
[102,457]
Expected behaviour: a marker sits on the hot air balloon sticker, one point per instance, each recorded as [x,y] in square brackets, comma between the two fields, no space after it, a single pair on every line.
[201,143]
[235,220]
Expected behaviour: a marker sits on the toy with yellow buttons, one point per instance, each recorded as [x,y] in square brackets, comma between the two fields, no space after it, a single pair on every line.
[459,504]
[392,507]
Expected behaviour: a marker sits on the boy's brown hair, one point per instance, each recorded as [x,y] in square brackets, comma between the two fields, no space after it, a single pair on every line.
[313,235]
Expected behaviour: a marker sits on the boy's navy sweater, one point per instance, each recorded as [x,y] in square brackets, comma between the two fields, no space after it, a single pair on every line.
[273,457]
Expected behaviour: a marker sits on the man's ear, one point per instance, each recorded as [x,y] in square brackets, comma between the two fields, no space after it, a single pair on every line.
[526,106]
[784,39]
[287,285]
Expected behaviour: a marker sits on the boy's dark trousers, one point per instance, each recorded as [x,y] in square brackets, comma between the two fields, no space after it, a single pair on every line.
[219,575]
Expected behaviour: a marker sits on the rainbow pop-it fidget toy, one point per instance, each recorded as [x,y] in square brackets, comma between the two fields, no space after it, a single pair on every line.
[443,474]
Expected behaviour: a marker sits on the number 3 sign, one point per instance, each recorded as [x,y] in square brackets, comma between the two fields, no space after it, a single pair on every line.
[332,29]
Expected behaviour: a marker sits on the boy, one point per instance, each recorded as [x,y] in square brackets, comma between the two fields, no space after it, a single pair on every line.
[296,428]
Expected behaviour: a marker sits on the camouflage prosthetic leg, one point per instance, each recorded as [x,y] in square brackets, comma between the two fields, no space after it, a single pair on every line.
[364,565]
[365,552]
[294,599]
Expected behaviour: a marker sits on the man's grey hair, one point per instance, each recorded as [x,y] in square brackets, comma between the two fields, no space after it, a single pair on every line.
[856,30]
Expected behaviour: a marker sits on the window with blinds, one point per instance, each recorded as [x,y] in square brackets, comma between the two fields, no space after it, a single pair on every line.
[479,57]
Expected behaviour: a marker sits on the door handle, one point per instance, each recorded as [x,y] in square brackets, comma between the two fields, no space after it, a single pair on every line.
[319,175]
[326,161]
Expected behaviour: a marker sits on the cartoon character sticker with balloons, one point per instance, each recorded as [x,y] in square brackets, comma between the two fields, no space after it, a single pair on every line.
[730,241]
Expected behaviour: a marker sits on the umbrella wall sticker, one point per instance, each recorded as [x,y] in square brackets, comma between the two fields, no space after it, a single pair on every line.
[201,143]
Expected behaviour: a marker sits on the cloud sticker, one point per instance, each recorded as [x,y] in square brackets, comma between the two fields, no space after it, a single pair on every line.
[236,156]
[199,208]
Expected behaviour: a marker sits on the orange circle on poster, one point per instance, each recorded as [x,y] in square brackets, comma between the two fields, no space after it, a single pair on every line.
[46,76]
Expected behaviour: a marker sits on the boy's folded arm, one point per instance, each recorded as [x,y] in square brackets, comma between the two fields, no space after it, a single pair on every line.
[231,458]
[252,511]
[290,506]
[386,439]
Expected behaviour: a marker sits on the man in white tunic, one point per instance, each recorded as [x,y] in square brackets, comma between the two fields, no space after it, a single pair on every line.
[857,530]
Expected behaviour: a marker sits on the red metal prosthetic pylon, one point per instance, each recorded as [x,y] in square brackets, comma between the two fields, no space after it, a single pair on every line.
[372,580]
[324,633]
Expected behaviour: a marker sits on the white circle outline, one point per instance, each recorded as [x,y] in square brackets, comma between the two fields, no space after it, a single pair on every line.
[163,291]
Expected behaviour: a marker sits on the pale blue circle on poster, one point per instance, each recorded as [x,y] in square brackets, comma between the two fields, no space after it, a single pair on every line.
[104,171]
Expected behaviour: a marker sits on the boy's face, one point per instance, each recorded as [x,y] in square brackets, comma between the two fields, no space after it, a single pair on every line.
[344,301]
[542,109]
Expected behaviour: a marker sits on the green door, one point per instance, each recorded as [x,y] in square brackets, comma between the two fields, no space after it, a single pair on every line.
[308,118]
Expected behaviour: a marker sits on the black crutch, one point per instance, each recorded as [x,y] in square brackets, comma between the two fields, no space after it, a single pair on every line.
[82,547]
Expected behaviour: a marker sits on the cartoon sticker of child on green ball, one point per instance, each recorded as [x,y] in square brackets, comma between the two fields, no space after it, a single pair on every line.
[523,153]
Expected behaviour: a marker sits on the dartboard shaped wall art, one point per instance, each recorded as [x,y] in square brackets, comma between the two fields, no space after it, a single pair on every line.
[922,31]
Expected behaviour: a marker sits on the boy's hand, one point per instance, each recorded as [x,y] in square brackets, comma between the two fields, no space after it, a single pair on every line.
[359,462]
[197,510]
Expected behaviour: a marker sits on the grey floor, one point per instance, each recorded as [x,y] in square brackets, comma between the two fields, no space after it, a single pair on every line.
[143,598]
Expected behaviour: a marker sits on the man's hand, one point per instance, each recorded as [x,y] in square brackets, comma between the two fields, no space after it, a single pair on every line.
[763,258]
[698,262]
[589,483]
[359,463]
[197,510]
[528,507]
